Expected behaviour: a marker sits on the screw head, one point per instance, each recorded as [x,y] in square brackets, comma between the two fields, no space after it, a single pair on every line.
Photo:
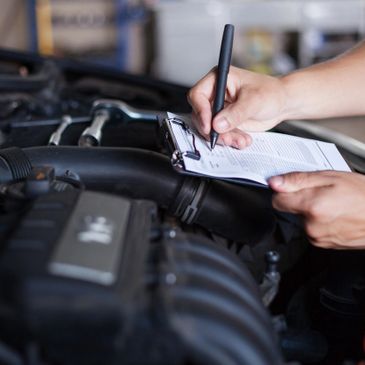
[170,278]
[172,233]
[272,257]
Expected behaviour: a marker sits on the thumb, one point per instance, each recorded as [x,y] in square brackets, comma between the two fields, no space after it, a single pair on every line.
[241,111]
[229,118]
[295,181]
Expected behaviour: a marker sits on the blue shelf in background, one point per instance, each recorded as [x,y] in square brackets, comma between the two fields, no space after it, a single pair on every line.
[125,15]
[32,25]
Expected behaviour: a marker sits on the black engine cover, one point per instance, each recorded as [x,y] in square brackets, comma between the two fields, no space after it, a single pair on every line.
[96,279]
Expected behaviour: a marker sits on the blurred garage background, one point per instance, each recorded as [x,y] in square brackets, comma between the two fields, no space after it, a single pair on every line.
[178,40]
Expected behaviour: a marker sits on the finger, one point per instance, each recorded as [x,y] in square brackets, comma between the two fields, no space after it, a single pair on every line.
[199,125]
[319,237]
[296,181]
[225,139]
[291,202]
[202,113]
[235,138]
[311,203]
[205,85]
[317,232]
[323,244]
[200,97]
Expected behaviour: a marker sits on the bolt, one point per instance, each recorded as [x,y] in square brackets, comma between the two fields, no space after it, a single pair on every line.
[172,233]
[170,278]
[272,259]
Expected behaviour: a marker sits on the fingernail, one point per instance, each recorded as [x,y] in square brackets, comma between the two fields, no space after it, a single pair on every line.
[277,181]
[242,143]
[235,145]
[222,124]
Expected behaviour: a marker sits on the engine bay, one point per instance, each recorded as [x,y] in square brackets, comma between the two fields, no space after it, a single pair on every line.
[109,256]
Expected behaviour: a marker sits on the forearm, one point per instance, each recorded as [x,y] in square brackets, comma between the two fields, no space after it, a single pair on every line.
[330,89]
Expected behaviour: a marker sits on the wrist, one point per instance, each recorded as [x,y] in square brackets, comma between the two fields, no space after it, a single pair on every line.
[293,92]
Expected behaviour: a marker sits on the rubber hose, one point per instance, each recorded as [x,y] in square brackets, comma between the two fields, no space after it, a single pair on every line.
[234,211]
[18,83]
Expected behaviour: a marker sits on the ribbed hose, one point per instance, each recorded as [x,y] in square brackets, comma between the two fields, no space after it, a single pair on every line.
[234,211]
[14,164]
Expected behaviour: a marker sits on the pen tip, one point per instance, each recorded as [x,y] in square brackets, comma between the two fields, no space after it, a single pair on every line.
[213,141]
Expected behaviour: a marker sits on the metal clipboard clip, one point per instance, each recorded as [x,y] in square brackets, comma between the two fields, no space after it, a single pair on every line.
[177,157]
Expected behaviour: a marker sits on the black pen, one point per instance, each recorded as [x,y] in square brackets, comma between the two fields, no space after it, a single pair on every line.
[222,73]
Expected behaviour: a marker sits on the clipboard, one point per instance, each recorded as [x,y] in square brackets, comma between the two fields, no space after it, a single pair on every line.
[269,154]
[169,139]
[177,155]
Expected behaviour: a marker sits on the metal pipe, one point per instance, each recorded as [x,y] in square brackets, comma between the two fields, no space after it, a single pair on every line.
[129,111]
[92,135]
[56,136]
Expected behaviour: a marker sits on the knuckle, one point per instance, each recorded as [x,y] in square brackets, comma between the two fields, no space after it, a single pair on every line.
[311,231]
[191,95]
[256,97]
[276,201]
[248,139]
[297,178]
[226,138]
[316,211]
[316,242]
[259,95]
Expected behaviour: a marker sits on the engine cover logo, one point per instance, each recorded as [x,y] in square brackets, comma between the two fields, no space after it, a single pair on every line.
[97,229]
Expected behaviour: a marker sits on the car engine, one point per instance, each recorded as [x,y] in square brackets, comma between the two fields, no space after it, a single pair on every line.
[109,256]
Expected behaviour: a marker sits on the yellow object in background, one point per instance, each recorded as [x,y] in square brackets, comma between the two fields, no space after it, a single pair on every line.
[44,27]
[259,51]
[263,51]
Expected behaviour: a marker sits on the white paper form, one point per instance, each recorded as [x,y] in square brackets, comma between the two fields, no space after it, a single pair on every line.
[269,154]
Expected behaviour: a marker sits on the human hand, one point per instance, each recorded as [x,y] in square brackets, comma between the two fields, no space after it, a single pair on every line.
[253,102]
[332,204]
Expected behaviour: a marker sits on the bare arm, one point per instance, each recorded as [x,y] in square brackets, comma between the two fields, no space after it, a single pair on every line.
[329,89]
[257,102]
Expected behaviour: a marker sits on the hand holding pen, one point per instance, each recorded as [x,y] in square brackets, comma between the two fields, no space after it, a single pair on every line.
[204,93]
[252,103]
